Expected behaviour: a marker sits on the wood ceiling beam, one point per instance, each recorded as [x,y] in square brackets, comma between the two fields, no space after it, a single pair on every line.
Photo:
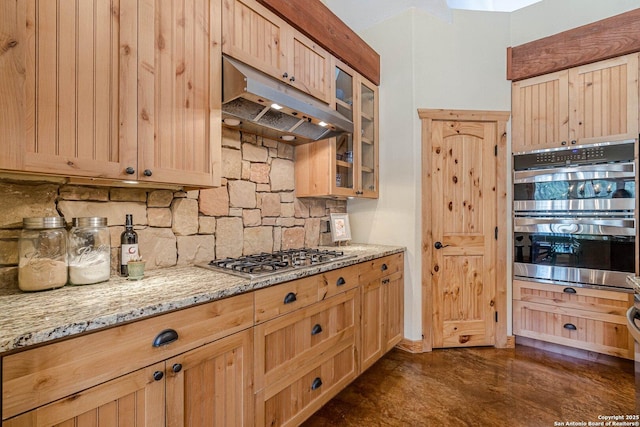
[604,39]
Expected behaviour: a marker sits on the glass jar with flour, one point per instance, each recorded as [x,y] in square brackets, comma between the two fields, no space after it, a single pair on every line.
[89,251]
[43,254]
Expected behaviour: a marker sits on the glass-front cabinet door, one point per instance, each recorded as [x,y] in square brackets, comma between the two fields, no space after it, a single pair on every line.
[367,124]
[345,174]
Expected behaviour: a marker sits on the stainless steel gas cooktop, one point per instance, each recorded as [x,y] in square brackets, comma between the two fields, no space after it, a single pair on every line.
[265,264]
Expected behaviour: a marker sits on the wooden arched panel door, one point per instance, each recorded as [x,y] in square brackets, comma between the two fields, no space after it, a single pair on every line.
[462,216]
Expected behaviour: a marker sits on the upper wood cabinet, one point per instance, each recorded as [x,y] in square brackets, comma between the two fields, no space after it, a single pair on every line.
[257,37]
[587,104]
[351,160]
[97,89]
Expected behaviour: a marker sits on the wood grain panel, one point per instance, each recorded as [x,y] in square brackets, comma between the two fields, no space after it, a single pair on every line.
[134,400]
[604,100]
[600,332]
[317,22]
[311,67]
[213,387]
[540,112]
[13,94]
[178,94]
[604,39]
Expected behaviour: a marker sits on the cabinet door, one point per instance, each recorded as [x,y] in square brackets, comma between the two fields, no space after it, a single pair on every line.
[540,112]
[604,100]
[179,92]
[309,65]
[254,36]
[367,146]
[212,385]
[394,309]
[68,84]
[372,326]
[135,400]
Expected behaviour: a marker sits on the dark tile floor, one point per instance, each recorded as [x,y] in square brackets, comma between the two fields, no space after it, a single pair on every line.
[482,387]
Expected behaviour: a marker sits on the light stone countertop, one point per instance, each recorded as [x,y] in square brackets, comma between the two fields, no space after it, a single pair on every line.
[28,319]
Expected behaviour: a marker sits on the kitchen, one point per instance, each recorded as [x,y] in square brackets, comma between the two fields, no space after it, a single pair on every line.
[392,219]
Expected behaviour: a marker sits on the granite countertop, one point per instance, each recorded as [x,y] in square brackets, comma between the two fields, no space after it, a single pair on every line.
[635,282]
[34,318]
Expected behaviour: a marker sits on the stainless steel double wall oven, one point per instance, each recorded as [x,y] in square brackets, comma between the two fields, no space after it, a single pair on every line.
[575,215]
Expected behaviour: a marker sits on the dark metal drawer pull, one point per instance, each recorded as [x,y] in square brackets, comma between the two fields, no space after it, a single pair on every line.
[384,267]
[340,281]
[316,329]
[165,337]
[316,384]
[569,291]
[385,281]
[291,297]
[570,326]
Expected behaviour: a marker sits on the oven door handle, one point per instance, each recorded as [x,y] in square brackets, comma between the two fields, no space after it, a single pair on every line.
[632,315]
[596,226]
[576,173]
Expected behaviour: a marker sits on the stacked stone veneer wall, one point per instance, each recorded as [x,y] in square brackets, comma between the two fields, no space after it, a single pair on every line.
[255,210]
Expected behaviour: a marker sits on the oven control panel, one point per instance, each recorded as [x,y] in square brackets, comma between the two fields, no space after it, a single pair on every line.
[587,154]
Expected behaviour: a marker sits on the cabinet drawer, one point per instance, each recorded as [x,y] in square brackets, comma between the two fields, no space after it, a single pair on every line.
[285,347]
[601,301]
[335,281]
[380,267]
[589,330]
[295,402]
[285,298]
[41,375]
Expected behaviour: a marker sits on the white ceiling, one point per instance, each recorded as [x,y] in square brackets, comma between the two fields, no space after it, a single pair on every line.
[362,14]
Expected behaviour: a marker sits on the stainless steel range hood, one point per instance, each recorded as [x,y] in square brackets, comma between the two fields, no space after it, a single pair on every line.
[248,98]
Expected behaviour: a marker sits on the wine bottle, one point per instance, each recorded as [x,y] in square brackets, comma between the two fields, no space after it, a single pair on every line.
[129,245]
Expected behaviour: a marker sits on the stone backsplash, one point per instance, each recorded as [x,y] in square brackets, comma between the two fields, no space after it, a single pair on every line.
[255,210]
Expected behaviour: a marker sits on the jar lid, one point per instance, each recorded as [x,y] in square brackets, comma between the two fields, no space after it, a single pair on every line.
[45,222]
[90,221]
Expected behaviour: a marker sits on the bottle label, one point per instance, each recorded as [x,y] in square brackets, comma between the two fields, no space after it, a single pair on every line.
[129,252]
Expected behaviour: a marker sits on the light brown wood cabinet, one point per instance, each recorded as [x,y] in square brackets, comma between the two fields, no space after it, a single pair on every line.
[269,357]
[382,309]
[346,166]
[589,319]
[587,104]
[257,37]
[99,90]
[304,358]
[116,370]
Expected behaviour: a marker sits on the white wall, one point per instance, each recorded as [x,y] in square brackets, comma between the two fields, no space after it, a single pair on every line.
[429,63]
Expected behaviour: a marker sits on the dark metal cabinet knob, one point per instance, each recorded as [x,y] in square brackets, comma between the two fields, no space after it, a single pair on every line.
[158,375]
[285,75]
[147,172]
[177,367]
[130,170]
[563,143]
[317,329]
[290,298]
[316,384]
[292,79]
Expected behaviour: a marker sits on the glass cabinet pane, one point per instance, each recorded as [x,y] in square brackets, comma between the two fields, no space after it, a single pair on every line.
[345,175]
[368,135]
[344,93]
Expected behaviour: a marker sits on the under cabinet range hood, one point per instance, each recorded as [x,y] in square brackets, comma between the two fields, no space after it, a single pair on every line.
[262,105]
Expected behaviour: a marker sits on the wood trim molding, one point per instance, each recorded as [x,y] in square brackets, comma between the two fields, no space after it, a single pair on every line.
[316,21]
[615,36]
[471,115]
[410,346]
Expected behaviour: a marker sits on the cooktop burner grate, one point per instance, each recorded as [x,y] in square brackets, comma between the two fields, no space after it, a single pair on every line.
[263,264]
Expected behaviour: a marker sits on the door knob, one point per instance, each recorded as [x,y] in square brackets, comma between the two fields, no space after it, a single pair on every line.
[439,245]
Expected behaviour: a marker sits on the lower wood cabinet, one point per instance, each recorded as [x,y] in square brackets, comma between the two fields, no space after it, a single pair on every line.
[304,358]
[269,357]
[588,319]
[382,315]
[121,373]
